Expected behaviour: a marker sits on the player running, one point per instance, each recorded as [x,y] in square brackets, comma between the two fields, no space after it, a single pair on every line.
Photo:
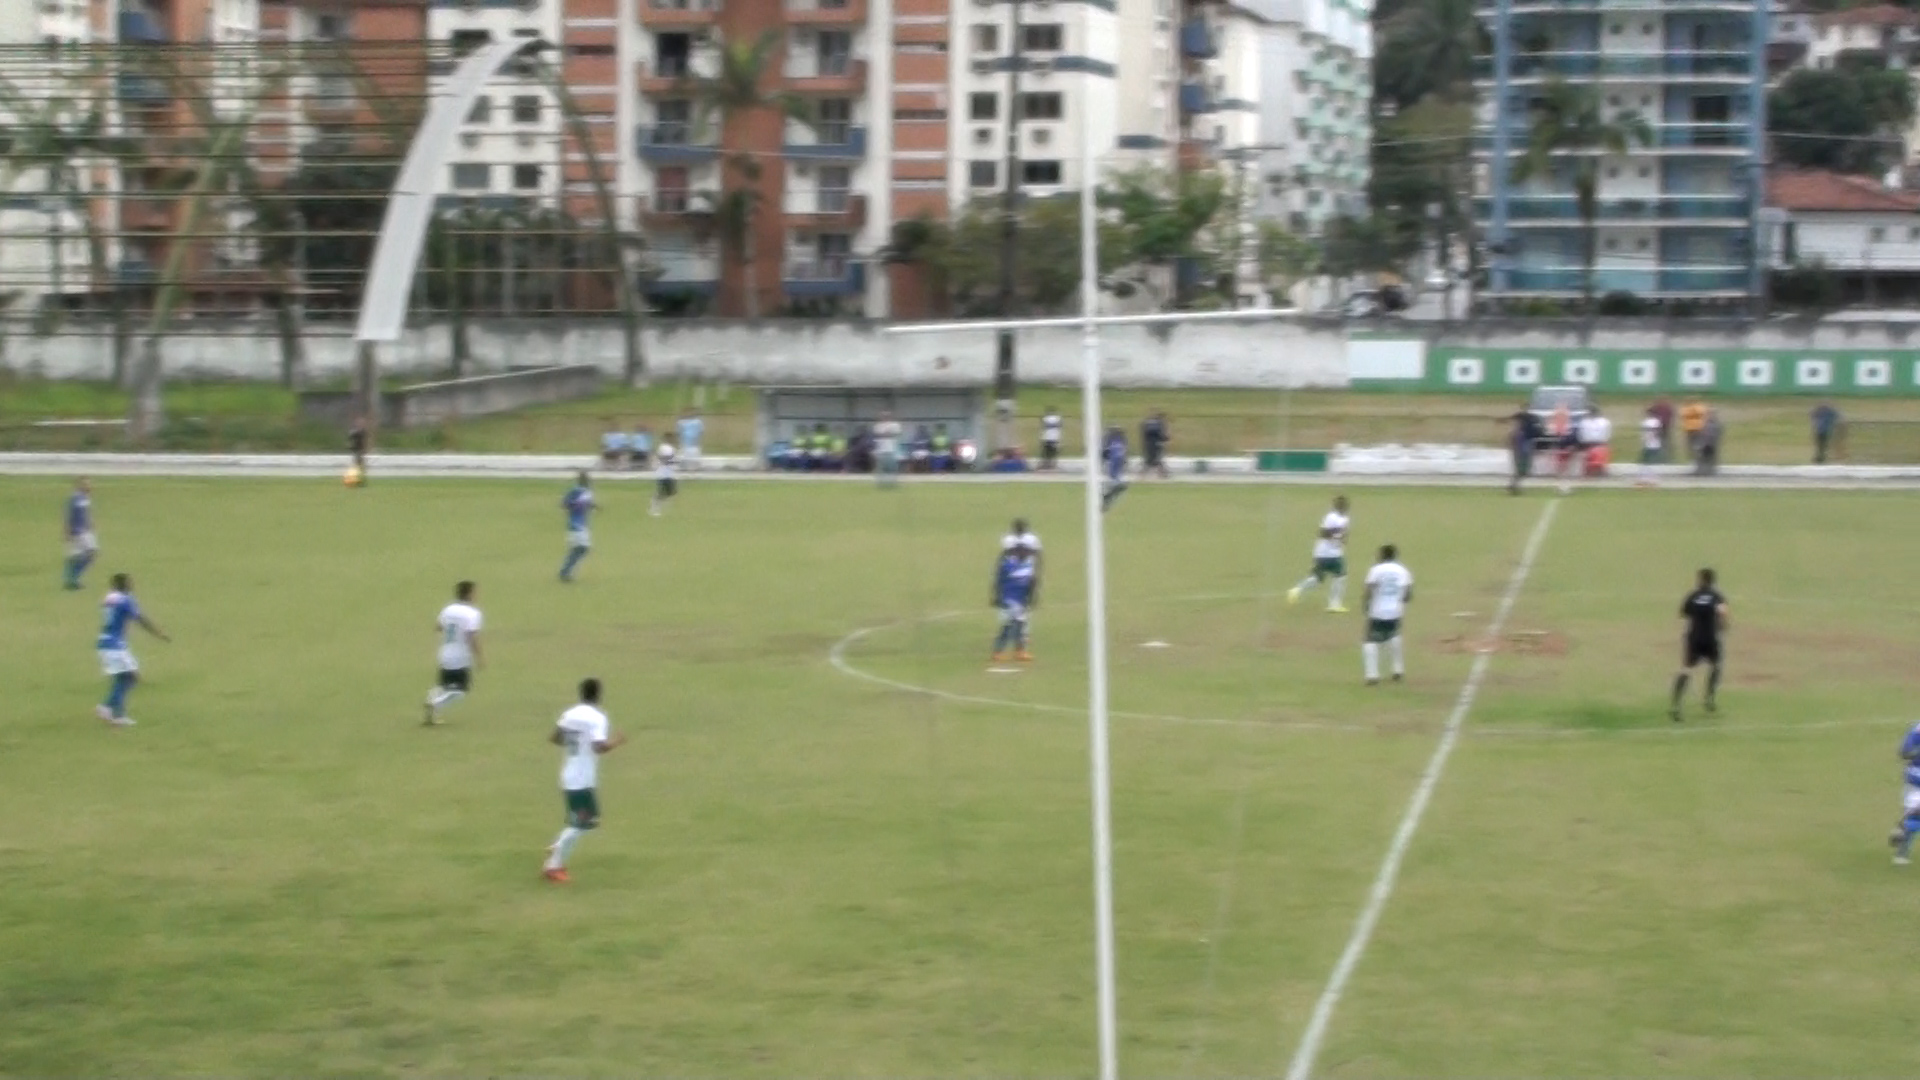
[1013,585]
[1329,559]
[460,653]
[1389,591]
[578,504]
[1705,611]
[82,547]
[584,733]
[1901,839]
[116,660]
[665,486]
[1114,454]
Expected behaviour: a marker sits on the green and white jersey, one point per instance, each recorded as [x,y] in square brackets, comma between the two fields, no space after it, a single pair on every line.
[1390,583]
[1334,546]
[458,623]
[581,727]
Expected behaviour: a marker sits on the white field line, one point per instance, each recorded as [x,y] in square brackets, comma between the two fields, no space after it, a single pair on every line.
[1389,874]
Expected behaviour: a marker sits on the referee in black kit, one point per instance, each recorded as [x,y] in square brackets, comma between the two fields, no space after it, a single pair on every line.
[1705,611]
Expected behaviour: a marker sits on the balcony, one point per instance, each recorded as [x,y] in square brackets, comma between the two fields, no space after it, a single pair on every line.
[833,209]
[1591,7]
[827,13]
[1678,67]
[833,75]
[680,14]
[1196,154]
[667,75]
[1195,98]
[142,90]
[1666,138]
[826,277]
[673,208]
[1563,210]
[826,141]
[1197,41]
[674,143]
[1692,280]
[139,27]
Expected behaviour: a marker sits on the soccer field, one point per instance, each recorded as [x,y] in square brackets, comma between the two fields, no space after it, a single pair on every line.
[839,846]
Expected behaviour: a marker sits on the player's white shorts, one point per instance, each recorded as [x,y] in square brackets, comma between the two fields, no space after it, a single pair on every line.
[1912,799]
[83,544]
[118,661]
[1013,611]
[579,538]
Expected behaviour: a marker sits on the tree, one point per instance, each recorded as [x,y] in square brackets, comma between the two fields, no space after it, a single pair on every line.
[1428,50]
[1285,258]
[1848,119]
[61,136]
[1161,218]
[1377,243]
[1570,128]
[732,95]
[1048,275]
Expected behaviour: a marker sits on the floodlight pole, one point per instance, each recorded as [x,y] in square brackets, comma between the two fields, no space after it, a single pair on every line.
[1093,435]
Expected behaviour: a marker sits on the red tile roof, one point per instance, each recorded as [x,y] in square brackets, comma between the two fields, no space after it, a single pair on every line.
[1817,190]
[1877,15]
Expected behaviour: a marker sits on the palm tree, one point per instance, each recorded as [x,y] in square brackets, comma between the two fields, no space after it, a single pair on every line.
[1568,125]
[62,136]
[733,93]
[1433,47]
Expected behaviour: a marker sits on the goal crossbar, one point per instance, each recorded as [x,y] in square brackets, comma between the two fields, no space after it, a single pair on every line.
[962,326]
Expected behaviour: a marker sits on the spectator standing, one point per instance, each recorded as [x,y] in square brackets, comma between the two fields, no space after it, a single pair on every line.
[640,446]
[1596,440]
[1154,437]
[1652,444]
[1826,424]
[886,450]
[1050,428]
[1693,422]
[1521,440]
[1662,411]
[692,428]
[1706,460]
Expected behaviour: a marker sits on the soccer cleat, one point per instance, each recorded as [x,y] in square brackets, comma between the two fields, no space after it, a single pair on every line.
[1293,595]
[104,714]
[121,721]
[1373,682]
[1711,707]
[997,656]
[1399,676]
[556,875]
[1336,609]
[1023,656]
[1900,860]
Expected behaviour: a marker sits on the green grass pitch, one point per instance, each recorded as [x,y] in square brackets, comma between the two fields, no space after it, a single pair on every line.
[807,870]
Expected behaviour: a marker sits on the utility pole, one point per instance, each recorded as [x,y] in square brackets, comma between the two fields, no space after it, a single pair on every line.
[1003,366]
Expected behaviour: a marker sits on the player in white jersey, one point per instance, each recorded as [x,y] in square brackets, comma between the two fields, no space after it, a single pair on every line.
[584,733]
[459,626]
[1651,434]
[886,451]
[1329,558]
[1389,591]
[1051,427]
[665,485]
[1020,536]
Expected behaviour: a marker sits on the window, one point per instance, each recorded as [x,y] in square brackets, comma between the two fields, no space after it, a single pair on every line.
[834,248]
[526,178]
[466,41]
[836,184]
[672,54]
[670,189]
[482,111]
[1913,232]
[983,174]
[919,114]
[836,52]
[1042,173]
[526,109]
[1646,171]
[1878,234]
[833,124]
[1040,107]
[983,106]
[330,26]
[986,39]
[472,177]
[673,123]
[1046,37]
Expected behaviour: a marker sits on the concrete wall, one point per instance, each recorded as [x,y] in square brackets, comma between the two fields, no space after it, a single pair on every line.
[438,402]
[1274,354]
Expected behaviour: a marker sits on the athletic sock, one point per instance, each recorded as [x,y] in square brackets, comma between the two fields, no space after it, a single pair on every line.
[117,692]
[1001,639]
[1307,583]
[1679,688]
[573,559]
[1398,656]
[1336,591]
[562,847]
[1370,657]
[1713,683]
[80,564]
[441,698]
[1910,825]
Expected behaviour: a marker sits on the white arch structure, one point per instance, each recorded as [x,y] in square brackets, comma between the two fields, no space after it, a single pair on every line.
[396,254]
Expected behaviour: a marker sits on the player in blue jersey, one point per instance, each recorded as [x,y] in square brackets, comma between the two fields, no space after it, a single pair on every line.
[1114,455]
[82,548]
[116,660]
[579,506]
[1902,836]
[1013,583]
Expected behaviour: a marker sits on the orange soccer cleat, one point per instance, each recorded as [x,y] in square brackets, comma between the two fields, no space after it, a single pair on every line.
[1023,656]
[558,877]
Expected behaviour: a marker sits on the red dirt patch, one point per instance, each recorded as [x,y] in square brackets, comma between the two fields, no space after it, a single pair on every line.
[1516,642]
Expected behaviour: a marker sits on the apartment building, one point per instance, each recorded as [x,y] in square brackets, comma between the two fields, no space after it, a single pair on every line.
[1676,217]
[1314,95]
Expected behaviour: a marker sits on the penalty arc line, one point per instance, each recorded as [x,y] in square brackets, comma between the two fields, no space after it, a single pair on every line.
[1388,875]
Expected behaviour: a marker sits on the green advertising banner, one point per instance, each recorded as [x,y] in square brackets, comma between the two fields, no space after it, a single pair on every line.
[1648,371]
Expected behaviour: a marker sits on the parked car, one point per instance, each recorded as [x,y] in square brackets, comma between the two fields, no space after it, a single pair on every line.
[1577,400]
